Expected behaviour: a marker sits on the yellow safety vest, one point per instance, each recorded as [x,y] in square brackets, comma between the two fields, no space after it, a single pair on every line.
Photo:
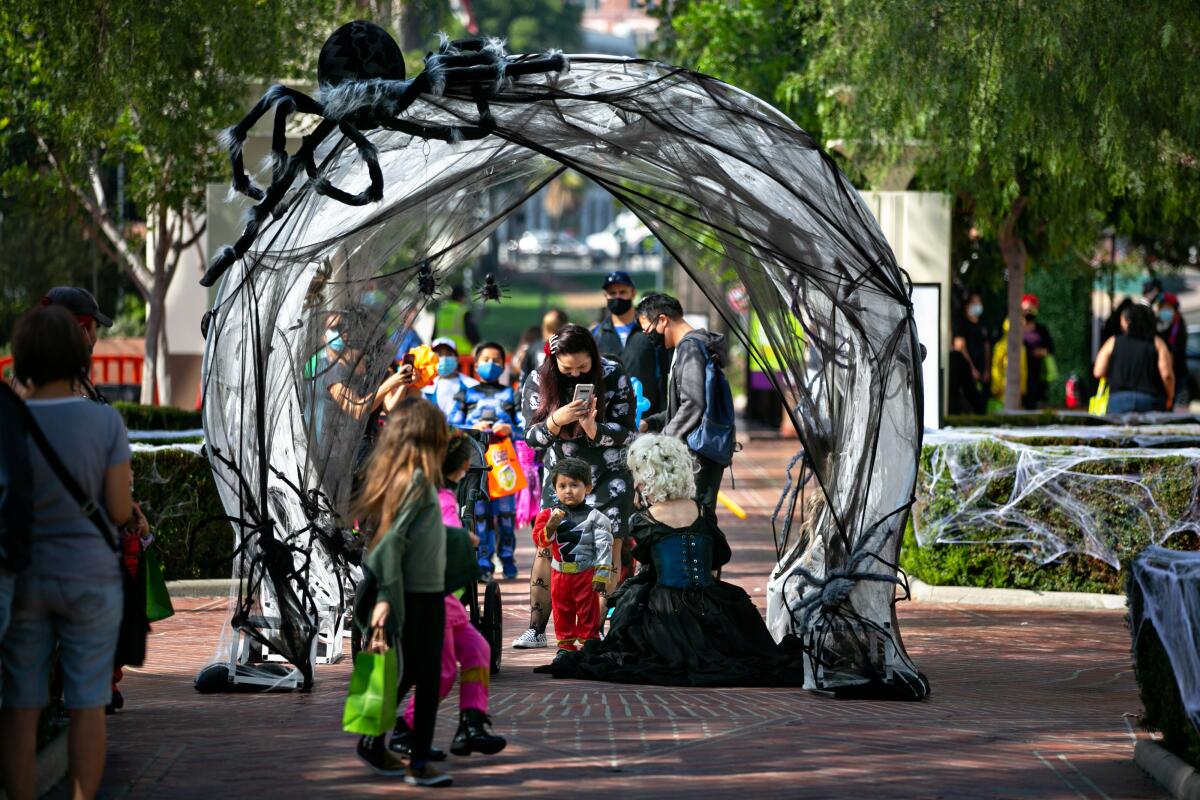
[451,323]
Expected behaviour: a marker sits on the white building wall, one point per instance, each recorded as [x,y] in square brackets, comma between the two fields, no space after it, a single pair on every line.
[917,226]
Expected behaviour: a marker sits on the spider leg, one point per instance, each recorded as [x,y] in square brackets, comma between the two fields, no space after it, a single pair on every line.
[286,101]
[445,133]
[271,201]
[449,133]
[370,154]
[536,64]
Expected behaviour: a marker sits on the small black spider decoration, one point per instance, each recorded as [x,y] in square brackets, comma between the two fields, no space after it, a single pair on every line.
[491,289]
[363,86]
[426,283]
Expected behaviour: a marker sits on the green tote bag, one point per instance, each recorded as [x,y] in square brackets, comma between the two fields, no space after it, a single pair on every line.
[371,701]
[158,599]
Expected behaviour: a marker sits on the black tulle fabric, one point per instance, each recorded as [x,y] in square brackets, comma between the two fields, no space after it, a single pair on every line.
[739,196]
[697,636]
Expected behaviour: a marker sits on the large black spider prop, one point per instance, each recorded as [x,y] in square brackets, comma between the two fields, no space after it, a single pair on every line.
[362,83]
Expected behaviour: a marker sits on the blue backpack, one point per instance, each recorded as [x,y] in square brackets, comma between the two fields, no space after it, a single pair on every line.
[715,437]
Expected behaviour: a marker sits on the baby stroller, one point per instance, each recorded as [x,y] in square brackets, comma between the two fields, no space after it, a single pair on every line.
[485,615]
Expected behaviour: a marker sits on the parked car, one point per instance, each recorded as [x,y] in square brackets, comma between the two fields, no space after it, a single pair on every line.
[554,249]
[606,244]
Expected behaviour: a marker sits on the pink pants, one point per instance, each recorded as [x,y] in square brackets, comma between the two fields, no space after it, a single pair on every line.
[465,653]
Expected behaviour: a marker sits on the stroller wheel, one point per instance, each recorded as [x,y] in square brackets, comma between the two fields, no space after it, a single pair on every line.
[491,623]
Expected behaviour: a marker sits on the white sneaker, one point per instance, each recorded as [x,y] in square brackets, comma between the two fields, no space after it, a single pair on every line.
[529,640]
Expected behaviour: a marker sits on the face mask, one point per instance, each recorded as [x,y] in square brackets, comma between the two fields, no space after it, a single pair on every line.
[1030,317]
[447,366]
[1166,316]
[490,371]
[656,339]
[334,340]
[619,305]
[975,310]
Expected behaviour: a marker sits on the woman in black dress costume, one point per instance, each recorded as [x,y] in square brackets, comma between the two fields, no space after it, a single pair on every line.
[675,624]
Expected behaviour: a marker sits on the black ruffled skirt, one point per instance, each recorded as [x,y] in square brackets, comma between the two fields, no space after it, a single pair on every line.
[710,636]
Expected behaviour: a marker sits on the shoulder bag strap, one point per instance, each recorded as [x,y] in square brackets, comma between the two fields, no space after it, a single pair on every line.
[86,504]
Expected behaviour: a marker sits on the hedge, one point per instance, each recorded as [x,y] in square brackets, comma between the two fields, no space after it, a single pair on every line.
[1049,417]
[1159,690]
[175,488]
[1157,437]
[964,515]
[1002,566]
[157,418]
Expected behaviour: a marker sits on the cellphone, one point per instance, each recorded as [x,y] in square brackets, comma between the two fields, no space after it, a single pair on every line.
[409,358]
[583,392]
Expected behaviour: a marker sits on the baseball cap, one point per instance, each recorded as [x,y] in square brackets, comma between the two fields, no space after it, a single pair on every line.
[79,302]
[444,341]
[1170,299]
[620,276]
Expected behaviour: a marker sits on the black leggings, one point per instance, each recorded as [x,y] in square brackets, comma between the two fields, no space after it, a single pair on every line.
[424,630]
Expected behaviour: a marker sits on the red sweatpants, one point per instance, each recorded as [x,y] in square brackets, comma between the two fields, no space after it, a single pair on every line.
[576,608]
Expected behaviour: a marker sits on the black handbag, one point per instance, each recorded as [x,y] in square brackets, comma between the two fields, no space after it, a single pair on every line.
[131,645]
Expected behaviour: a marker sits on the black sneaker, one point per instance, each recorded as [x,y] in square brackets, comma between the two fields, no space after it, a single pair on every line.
[401,743]
[372,753]
[474,735]
[427,776]
[560,659]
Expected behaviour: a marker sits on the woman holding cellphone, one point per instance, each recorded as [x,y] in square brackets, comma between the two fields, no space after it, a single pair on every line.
[578,405]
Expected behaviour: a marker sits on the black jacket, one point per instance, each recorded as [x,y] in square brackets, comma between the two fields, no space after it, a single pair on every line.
[641,359]
[686,402]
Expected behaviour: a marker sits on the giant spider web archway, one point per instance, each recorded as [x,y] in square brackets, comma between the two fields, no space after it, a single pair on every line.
[736,193]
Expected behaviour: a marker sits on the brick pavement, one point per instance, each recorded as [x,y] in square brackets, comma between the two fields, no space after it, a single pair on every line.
[1024,704]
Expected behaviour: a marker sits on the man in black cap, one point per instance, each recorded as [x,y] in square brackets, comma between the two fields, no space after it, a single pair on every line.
[83,305]
[619,337]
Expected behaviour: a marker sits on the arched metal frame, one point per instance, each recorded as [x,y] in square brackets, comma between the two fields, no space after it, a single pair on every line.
[737,194]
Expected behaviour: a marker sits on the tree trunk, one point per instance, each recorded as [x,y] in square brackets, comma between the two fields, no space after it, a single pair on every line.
[155,308]
[1012,248]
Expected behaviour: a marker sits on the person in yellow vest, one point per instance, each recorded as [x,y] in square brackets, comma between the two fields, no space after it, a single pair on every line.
[456,322]
[1000,366]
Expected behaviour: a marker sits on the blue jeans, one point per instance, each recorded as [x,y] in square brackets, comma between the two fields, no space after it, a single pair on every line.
[494,523]
[1133,402]
[83,616]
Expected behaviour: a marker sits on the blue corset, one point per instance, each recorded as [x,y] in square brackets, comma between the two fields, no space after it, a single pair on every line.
[684,560]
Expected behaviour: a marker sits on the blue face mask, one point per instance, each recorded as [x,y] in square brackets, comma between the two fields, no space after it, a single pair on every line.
[334,340]
[490,371]
[1166,316]
[447,366]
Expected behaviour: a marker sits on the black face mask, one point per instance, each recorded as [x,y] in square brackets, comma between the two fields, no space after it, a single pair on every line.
[1030,317]
[619,305]
[656,339]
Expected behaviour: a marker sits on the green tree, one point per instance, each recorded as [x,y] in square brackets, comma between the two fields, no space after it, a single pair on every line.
[753,44]
[92,86]
[1046,118]
[1047,122]
[531,25]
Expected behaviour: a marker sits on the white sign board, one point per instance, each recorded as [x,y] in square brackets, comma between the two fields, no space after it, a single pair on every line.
[927,305]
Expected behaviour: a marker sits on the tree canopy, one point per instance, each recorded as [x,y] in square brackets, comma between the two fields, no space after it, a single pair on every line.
[531,25]
[1048,122]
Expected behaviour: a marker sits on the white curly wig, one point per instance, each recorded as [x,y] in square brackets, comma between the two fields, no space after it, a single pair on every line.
[662,468]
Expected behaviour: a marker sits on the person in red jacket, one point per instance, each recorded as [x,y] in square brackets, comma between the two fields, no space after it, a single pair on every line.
[580,541]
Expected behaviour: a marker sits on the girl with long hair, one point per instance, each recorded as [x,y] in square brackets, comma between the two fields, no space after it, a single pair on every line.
[558,426]
[404,572]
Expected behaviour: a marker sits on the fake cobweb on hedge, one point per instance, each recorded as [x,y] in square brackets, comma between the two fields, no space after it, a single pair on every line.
[736,193]
[1059,496]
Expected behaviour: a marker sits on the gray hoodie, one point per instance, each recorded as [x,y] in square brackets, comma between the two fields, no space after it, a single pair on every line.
[685,386]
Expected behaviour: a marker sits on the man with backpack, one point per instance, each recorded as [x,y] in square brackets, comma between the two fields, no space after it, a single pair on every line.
[699,404]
